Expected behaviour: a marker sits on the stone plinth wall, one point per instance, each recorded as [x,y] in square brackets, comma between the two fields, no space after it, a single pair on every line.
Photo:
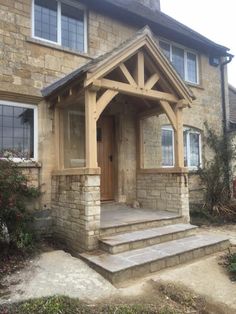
[76,210]
[164,192]
[32,173]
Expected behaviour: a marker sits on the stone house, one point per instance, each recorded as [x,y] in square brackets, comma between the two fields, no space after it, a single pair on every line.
[107,99]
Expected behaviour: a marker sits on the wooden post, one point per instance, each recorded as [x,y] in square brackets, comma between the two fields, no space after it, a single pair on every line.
[91,129]
[139,70]
[179,139]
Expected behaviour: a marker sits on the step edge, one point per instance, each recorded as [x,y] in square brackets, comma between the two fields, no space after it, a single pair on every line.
[147,238]
[157,259]
[140,222]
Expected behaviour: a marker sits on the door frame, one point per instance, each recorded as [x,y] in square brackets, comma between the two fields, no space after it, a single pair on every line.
[114,161]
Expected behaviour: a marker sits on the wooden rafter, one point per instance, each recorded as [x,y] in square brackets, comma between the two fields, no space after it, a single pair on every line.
[133,91]
[152,81]
[151,66]
[127,74]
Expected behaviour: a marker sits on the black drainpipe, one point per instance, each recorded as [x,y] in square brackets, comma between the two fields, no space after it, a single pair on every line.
[222,72]
[225,128]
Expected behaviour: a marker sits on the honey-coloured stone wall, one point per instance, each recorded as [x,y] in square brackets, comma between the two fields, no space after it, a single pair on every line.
[164,191]
[76,211]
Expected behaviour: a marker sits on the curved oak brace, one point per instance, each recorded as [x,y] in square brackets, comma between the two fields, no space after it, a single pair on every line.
[169,112]
[103,101]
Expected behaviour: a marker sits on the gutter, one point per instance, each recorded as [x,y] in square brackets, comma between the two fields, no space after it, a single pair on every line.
[222,72]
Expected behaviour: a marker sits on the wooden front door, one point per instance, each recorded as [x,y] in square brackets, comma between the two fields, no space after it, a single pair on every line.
[105,141]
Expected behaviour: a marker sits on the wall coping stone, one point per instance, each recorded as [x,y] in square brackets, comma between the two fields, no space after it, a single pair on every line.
[163,170]
[77,171]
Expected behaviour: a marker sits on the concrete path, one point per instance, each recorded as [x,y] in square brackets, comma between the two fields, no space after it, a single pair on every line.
[58,273]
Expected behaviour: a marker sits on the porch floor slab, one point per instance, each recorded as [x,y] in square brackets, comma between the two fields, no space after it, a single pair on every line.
[113,215]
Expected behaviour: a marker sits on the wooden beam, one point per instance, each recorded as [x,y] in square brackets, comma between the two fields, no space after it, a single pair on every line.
[152,81]
[91,129]
[179,139]
[139,71]
[134,91]
[103,101]
[127,74]
[169,112]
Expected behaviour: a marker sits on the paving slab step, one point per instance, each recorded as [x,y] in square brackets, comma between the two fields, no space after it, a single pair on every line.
[137,263]
[140,225]
[139,239]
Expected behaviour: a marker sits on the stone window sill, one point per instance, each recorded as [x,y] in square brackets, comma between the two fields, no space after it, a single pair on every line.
[29,164]
[57,47]
[198,86]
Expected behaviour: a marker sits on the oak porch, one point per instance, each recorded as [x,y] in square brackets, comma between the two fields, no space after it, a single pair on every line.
[138,70]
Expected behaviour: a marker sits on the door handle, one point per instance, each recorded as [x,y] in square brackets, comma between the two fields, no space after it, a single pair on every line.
[111,158]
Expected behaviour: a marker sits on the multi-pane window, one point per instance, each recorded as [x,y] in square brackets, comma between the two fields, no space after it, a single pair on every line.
[45,19]
[192,147]
[58,22]
[167,147]
[192,143]
[185,62]
[17,130]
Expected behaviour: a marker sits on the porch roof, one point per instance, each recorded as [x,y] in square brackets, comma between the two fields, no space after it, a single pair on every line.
[96,64]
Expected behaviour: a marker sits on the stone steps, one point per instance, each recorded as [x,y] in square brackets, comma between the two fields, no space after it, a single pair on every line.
[124,266]
[139,239]
[143,225]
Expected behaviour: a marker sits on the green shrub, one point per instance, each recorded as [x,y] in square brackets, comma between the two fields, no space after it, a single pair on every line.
[229,262]
[216,178]
[232,265]
[15,193]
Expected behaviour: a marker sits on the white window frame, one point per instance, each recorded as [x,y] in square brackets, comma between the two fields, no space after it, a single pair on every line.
[35,108]
[186,51]
[192,131]
[169,128]
[58,42]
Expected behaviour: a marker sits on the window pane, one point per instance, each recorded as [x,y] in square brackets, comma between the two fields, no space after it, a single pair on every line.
[45,19]
[192,67]
[167,148]
[72,23]
[185,150]
[178,60]
[74,136]
[16,131]
[165,49]
[194,150]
